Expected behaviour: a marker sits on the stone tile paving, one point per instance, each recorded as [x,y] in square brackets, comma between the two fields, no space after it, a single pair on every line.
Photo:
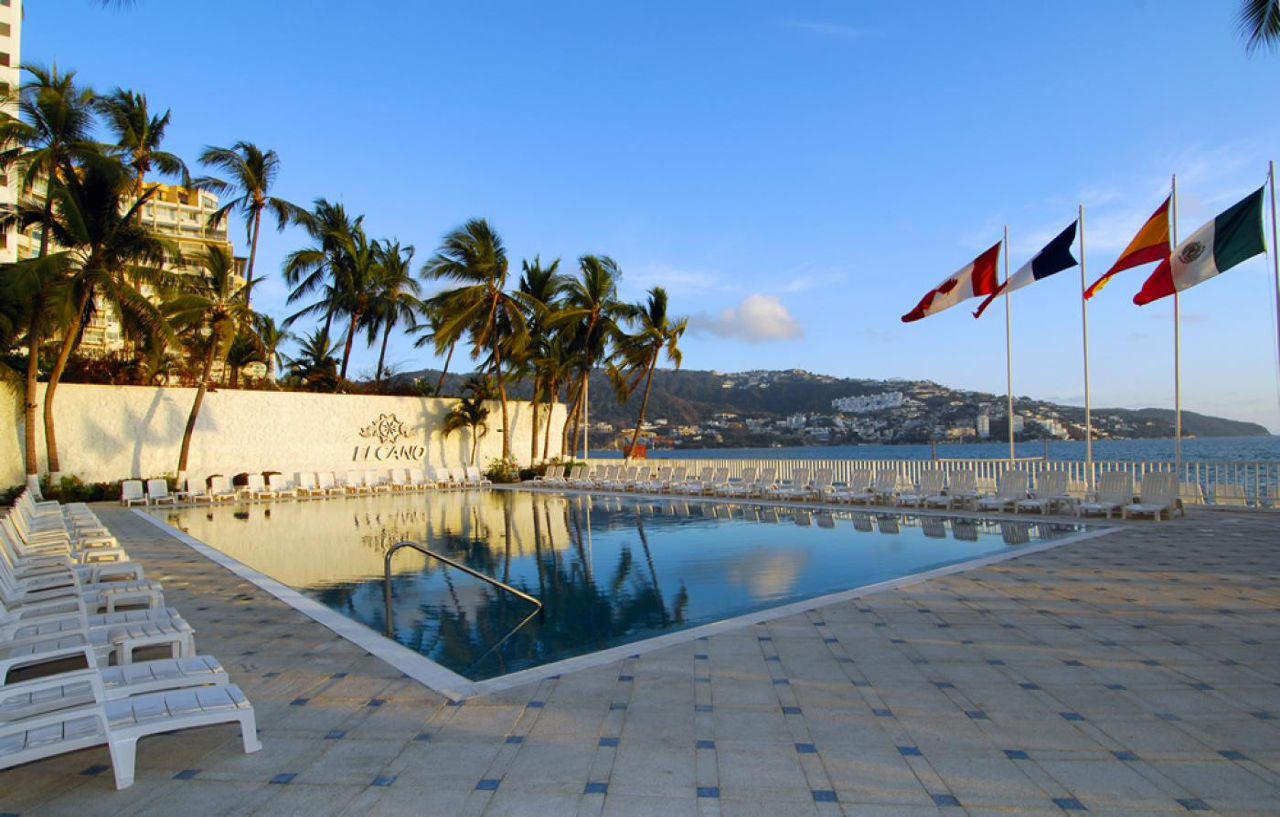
[1136,673]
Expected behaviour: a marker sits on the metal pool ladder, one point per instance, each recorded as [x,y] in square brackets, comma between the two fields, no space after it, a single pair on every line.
[386,583]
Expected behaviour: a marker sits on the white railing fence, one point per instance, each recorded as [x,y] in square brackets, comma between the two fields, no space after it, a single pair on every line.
[1243,484]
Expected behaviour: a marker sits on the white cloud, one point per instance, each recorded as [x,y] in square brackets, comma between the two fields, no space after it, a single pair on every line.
[758,318]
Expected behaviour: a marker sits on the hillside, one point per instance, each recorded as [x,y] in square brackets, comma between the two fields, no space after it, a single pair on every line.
[765,407]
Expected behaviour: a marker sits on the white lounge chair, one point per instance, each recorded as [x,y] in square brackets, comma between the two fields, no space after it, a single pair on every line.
[439,476]
[131,492]
[1049,495]
[355,484]
[256,487]
[1114,491]
[931,480]
[23,641]
[185,493]
[158,492]
[477,479]
[119,724]
[962,491]
[793,487]
[221,490]
[1013,487]
[281,486]
[858,484]
[733,486]
[1158,495]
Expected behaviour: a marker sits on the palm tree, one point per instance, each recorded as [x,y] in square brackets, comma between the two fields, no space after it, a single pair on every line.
[1260,24]
[110,255]
[590,314]
[252,171]
[214,309]
[270,336]
[245,348]
[395,297]
[314,268]
[433,317]
[52,133]
[353,266]
[316,365]
[138,137]
[473,255]
[28,287]
[638,353]
[543,285]
[470,413]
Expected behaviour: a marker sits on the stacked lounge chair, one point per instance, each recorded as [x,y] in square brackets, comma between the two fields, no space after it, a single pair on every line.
[59,601]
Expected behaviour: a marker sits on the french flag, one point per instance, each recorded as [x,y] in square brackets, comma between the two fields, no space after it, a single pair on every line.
[1055,257]
[976,278]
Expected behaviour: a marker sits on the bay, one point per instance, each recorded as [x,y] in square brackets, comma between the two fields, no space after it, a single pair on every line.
[1198,449]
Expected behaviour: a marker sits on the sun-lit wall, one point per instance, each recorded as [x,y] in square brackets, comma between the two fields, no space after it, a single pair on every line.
[113,432]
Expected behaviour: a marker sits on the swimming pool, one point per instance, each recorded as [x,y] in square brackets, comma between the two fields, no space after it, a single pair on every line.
[609,570]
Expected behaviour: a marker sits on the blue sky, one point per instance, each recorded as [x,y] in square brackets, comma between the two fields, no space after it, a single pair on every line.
[797,175]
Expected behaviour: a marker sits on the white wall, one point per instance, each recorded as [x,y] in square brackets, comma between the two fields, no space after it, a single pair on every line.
[113,432]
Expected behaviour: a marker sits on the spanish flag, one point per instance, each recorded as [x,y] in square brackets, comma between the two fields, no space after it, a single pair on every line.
[1150,244]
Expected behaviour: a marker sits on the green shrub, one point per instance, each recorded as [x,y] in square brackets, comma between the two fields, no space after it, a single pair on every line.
[503,470]
[74,489]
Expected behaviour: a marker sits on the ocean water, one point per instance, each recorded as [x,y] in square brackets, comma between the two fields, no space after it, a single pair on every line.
[1199,449]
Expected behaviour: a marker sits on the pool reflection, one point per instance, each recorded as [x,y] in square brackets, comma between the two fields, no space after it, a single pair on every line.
[608,570]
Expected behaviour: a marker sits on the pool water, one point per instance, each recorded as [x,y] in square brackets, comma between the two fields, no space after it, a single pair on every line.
[609,570]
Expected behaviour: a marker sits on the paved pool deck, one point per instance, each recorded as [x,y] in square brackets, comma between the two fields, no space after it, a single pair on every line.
[1134,673]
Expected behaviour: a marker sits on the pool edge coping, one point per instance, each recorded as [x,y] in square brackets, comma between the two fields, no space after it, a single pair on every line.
[456,687]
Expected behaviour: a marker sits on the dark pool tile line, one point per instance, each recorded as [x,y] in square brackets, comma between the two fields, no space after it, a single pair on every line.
[595,788]
[283,779]
[1069,804]
[186,774]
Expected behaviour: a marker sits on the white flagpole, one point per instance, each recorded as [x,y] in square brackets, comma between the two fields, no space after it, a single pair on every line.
[1177,359]
[1275,247]
[1008,345]
[1084,326]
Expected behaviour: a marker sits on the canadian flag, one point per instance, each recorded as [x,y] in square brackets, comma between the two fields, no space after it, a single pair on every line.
[975,278]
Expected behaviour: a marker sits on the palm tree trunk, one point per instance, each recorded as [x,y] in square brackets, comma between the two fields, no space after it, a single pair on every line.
[195,411]
[497,375]
[644,402]
[579,405]
[568,418]
[29,406]
[475,441]
[382,354]
[502,397]
[69,344]
[253,254]
[346,350]
[533,407]
[445,370]
[551,399]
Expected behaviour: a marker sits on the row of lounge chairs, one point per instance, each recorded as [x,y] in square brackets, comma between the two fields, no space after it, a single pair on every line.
[68,592]
[1158,495]
[304,484]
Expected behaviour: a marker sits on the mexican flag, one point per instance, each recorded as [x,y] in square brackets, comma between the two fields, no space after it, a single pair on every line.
[1234,236]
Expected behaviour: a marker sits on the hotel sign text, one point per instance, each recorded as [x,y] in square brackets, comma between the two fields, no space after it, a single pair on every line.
[388,430]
